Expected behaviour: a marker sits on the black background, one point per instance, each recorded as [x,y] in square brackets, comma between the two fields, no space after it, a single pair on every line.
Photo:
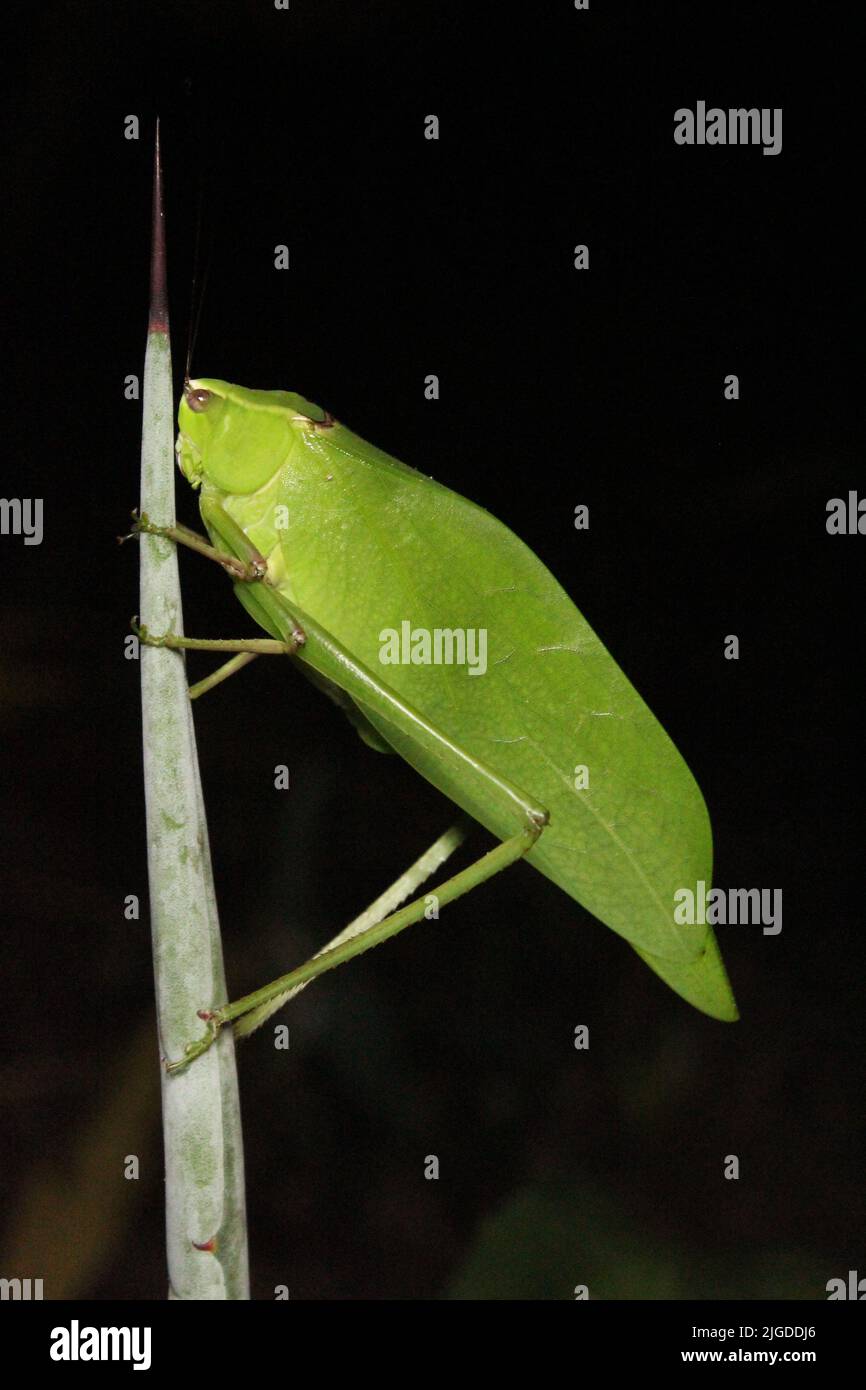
[557,388]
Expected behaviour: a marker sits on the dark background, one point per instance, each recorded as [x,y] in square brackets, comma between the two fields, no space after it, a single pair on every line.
[557,388]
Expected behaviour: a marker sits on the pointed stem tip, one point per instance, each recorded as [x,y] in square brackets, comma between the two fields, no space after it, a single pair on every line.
[158,319]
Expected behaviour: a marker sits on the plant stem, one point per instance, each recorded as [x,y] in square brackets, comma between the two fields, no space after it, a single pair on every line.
[205,1208]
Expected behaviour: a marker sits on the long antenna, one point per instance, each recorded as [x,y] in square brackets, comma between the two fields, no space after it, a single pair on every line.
[196,305]
[196,294]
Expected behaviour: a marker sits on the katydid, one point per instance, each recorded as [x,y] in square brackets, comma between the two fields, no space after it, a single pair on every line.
[354,564]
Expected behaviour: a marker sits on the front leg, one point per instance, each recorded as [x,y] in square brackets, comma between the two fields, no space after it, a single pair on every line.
[248,570]
[256,646]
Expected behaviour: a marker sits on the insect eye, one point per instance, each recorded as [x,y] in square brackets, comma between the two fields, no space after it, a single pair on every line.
[199,400]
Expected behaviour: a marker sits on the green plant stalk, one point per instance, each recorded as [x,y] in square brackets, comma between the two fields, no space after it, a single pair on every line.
[204,1170]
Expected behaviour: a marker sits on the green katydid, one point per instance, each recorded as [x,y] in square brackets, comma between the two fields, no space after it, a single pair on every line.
[335,546]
